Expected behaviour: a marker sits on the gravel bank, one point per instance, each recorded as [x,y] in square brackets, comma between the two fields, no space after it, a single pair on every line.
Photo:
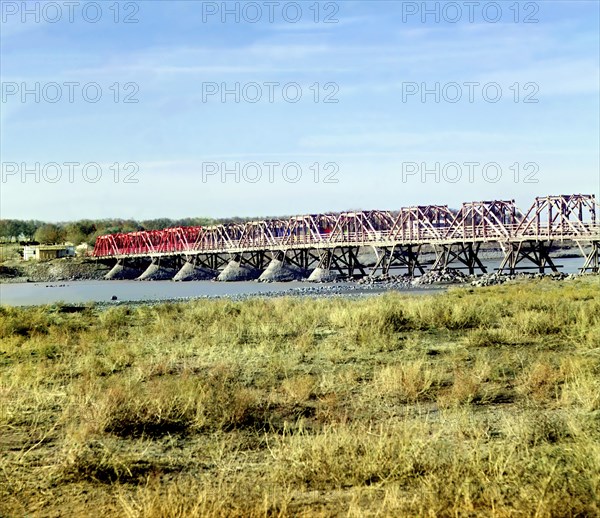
[53,271]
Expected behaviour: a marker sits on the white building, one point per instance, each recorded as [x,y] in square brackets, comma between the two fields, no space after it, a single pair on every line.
[47,252]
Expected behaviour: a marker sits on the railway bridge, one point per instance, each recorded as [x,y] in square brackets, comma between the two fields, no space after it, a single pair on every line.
[352,244]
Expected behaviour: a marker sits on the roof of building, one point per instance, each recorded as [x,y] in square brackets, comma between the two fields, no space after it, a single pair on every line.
[50,247]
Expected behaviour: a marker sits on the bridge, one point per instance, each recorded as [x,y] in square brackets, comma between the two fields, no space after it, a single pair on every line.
[411,239]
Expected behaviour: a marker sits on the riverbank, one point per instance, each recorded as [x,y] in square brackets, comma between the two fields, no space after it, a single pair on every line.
[478,401]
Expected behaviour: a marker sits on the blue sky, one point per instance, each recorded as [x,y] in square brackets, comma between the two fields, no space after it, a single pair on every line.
[376,139]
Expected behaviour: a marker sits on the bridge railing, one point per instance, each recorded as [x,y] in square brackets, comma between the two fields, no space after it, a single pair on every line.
[563,230]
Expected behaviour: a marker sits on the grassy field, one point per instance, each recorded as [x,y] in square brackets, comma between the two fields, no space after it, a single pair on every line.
[474,402]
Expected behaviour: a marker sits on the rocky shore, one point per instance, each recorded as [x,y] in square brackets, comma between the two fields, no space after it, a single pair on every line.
[53,271]
[452,276]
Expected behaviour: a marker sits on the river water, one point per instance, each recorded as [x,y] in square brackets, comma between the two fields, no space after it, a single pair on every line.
[103,291]
[24,294]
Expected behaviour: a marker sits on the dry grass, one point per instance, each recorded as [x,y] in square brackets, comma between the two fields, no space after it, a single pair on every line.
[470,403]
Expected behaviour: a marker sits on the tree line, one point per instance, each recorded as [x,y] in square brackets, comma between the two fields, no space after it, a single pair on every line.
[87,230]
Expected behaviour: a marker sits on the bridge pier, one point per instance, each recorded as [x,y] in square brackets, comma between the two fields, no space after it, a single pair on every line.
[537,252]
[209,261]
[149,272]
[122,271]
[192,271]
[345,261]
[325,256]
[160,272]
[244,267]
[398,256]
[258,259]
[592,259]
[115,271]
[303,258]
[281,268]
[323,273]
[465,253]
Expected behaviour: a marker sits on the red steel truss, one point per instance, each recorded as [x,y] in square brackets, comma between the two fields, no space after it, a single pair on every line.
[572,217]
[170,240]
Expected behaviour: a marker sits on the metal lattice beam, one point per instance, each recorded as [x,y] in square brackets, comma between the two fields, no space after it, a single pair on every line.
[563,217]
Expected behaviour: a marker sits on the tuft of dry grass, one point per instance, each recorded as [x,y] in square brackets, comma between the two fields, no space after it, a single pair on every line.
[406,382]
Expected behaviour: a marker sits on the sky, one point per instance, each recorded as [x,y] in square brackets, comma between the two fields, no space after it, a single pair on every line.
[172,109]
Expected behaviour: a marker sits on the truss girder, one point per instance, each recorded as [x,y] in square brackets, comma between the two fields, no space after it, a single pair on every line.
[551,218]
[484,220]
[560,217]
[422,223]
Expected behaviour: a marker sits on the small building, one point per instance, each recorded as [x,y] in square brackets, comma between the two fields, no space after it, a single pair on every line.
[47,252]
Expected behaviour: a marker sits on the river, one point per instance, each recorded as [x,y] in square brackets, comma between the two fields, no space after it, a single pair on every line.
[24,294]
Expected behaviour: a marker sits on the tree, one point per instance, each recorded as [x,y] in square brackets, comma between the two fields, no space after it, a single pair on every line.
[49,234]
[73,233]
[29,228]
[10,229]
[5,229]
[157,224]
[79,231]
